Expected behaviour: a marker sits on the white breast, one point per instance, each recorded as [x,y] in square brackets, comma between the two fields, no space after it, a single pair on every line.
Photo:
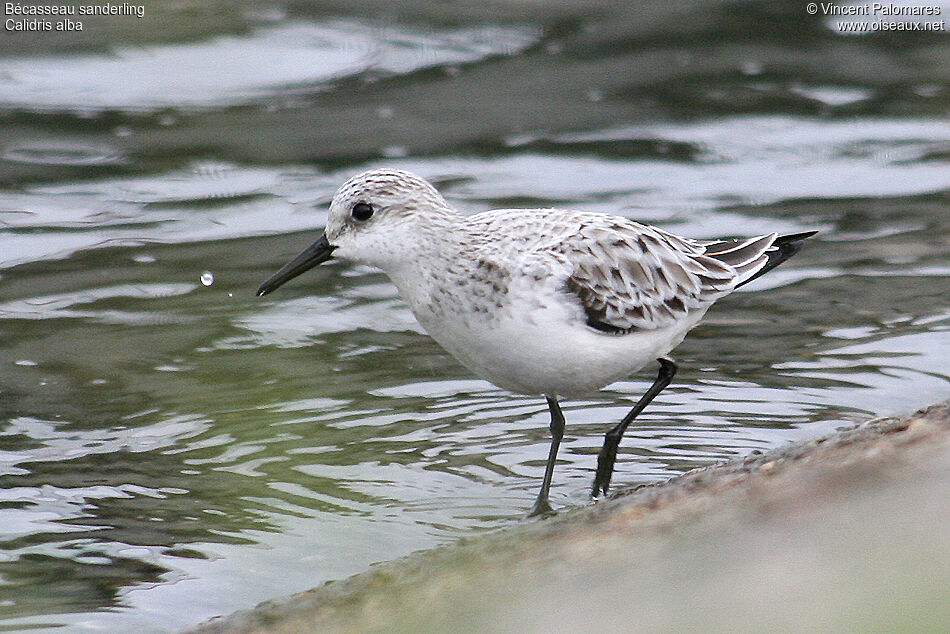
[537,342]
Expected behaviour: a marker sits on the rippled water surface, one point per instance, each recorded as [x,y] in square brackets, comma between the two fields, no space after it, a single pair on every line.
[175,448]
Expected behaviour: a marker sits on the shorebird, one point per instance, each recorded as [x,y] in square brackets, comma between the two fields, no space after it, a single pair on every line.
[548,302]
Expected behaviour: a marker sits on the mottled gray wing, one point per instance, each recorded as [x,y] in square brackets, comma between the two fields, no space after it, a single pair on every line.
[630,277]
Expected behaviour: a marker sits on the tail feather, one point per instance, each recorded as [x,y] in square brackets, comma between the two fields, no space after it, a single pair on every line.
[781,249]
[745,256]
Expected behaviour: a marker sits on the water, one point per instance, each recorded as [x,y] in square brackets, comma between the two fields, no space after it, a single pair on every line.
[174,449]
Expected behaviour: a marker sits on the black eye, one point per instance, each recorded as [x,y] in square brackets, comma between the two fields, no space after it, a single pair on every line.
[362,211]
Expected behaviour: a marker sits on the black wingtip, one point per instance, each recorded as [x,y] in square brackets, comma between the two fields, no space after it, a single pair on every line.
[794,237]
[784,247]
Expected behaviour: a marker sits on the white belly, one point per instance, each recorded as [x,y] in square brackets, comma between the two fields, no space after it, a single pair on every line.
[548,351]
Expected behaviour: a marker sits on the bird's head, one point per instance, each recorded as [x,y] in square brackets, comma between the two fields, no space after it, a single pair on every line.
[378,218]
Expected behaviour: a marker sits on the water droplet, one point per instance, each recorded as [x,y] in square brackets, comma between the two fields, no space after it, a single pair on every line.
[144,259]
[25,362]
[207,278]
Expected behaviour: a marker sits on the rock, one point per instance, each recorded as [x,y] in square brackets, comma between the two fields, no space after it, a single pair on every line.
[844,533]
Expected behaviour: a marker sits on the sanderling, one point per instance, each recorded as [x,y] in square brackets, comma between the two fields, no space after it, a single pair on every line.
[538,301]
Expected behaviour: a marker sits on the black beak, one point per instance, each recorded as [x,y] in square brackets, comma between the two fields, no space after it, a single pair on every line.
[319,251]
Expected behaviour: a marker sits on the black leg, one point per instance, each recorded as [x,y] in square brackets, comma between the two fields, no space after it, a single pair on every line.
[541,505]
[608,454]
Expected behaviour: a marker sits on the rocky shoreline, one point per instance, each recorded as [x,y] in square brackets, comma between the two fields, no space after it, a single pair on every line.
[842,532]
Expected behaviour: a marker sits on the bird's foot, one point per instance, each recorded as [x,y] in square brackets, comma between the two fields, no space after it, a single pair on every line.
[605,469]
[541,508]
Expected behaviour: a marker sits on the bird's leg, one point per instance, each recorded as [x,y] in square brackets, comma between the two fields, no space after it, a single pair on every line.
[541,505]
[608,453]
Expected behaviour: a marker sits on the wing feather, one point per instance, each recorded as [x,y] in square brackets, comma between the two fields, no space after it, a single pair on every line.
[629,277]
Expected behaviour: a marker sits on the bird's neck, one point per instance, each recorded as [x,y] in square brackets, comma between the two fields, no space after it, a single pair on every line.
[436,246]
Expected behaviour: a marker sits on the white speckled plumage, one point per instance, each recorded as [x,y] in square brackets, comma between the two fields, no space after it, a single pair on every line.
[538,301]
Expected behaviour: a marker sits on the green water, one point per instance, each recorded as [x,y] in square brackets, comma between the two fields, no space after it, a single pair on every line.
[171,451]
